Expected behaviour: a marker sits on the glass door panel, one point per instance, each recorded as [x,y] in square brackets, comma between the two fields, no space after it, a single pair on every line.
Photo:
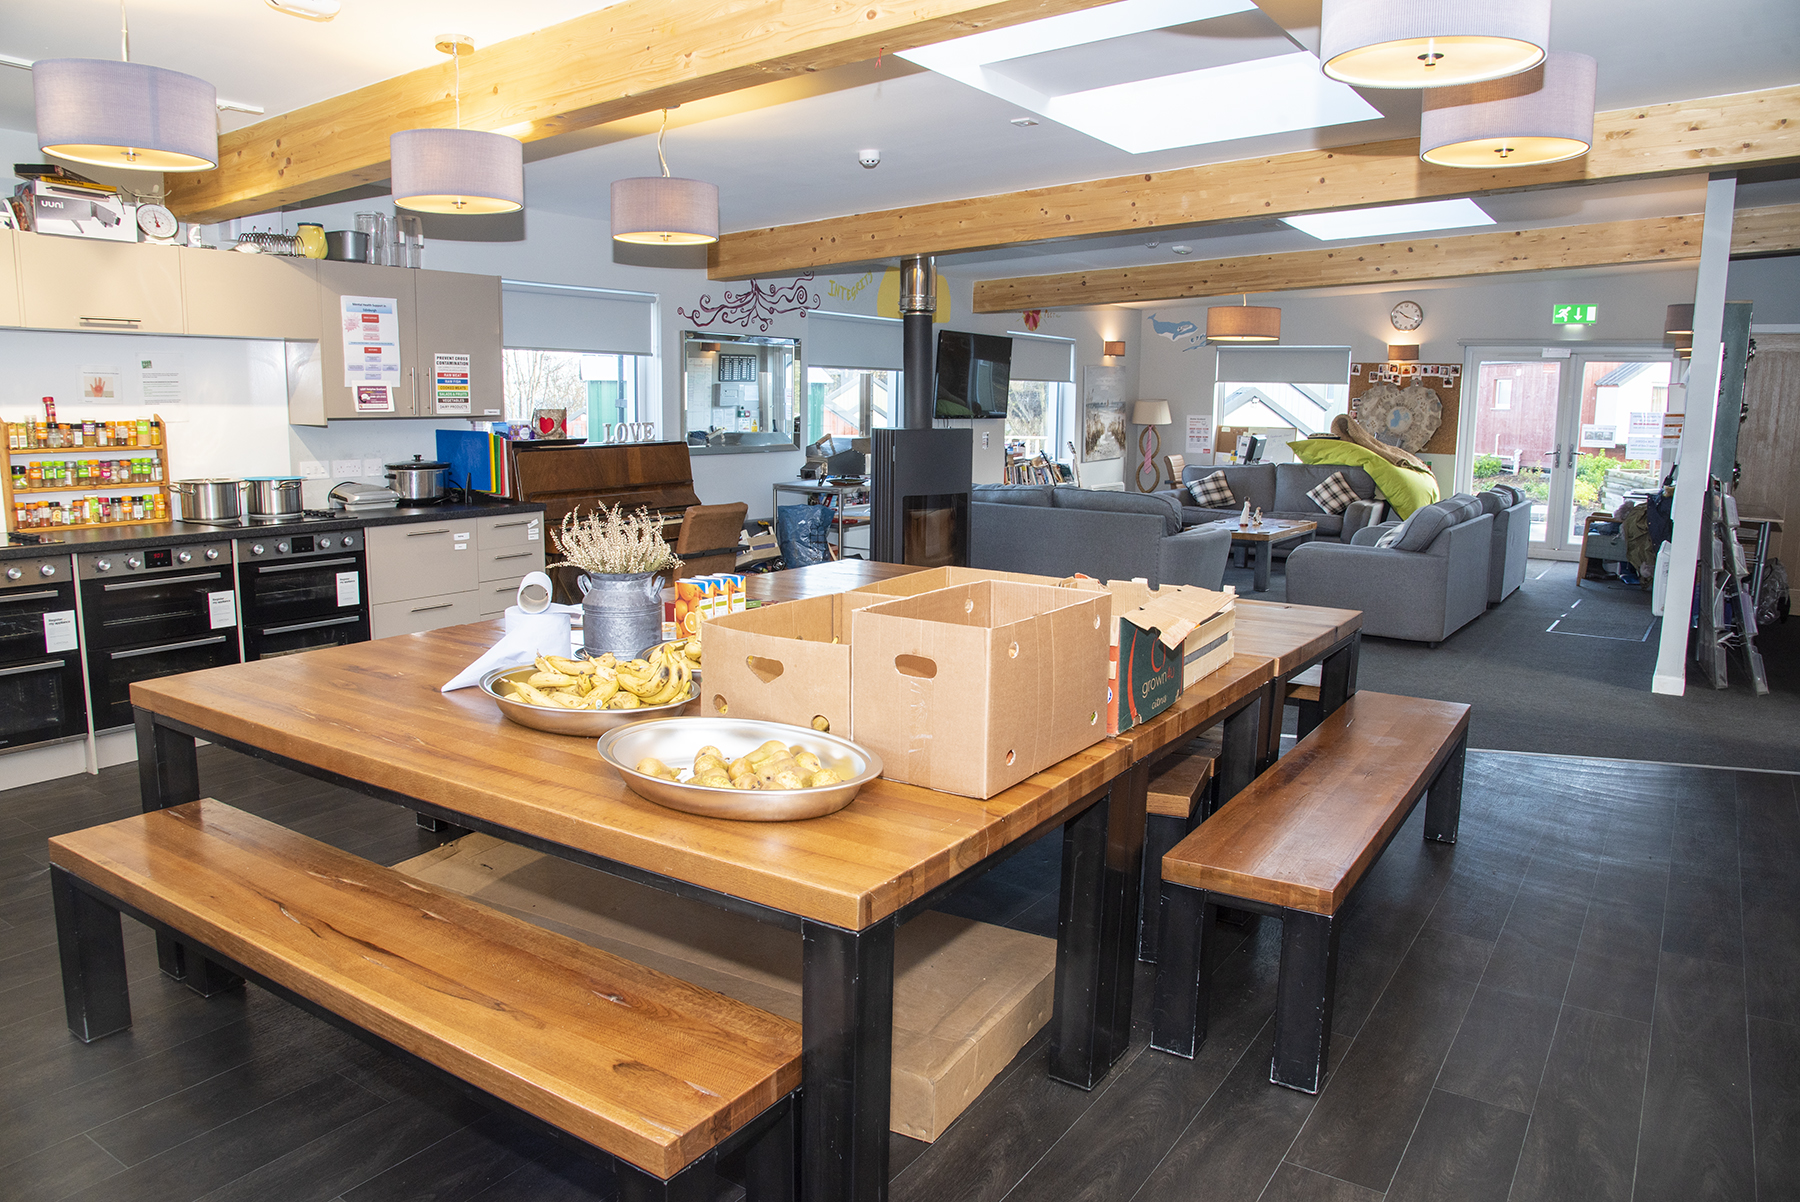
[1517,411]
[1619,437]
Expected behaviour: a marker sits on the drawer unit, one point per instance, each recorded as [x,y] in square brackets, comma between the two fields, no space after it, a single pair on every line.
[502,563]
[513,530]
[422,559]
[423,613]
[496,595]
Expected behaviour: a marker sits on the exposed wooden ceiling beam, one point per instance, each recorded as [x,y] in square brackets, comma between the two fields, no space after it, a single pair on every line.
[1604,244]
[635,57]
[1721,132]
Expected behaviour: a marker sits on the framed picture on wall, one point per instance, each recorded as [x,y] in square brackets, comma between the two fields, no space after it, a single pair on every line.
[1102,413]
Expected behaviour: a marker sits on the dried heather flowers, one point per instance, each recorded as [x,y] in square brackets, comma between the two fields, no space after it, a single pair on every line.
[613,542]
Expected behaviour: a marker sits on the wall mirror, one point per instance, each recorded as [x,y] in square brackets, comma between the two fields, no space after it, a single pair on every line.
[739,392]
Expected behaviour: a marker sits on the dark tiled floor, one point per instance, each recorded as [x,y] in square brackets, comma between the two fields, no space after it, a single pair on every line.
[1589,998]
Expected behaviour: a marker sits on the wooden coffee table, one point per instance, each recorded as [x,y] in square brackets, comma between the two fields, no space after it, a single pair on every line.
[1260,541]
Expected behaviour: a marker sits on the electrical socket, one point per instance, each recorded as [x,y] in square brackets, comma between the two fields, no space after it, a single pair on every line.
[312,469]
[346,469]
[373,467]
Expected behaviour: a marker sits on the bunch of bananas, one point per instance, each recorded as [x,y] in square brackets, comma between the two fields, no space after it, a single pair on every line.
[771,766]
[605,683]
[687,647]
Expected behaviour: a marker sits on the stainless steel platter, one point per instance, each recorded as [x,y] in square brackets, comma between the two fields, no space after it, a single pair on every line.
[586,723]
[674,741]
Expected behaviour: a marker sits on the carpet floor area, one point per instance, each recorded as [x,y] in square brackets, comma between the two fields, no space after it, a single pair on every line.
[1564,670]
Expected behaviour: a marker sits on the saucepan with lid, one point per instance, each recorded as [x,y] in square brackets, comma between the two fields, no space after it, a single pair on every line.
[207,499]
[419,482]
[269,498]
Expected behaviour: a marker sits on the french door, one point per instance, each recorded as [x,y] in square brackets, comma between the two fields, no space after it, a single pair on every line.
[1576,434]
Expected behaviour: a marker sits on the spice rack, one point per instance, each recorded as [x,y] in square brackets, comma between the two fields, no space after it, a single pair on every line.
[155,490]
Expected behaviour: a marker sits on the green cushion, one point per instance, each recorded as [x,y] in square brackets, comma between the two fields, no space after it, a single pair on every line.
[1406,488]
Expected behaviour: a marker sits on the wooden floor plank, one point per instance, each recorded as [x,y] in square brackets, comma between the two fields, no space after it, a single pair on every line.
[1775,1096]
[1462,1149]
[1617,959]
[1500,1049]
[1582,1144]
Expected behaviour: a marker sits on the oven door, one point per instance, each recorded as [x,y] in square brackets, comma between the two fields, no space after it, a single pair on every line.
[40,700]
[112,670]
[23,635]
[289,592]
[154,609]
[267,642]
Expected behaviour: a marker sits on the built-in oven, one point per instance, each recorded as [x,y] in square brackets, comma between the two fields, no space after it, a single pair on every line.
[40,657]
[150,612]
[302,591]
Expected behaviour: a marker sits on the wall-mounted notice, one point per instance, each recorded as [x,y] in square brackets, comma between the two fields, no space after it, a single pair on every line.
[100,382]
[59,631]
[450,376]
[161,381]
[221,609]
[1199,434]
[1643,437]
[374,398]
[1599,436]
[371,340]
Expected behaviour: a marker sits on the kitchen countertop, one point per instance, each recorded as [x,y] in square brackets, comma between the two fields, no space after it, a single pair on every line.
[161,534]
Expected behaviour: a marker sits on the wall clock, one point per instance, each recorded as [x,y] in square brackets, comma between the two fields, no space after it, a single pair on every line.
[1407,315]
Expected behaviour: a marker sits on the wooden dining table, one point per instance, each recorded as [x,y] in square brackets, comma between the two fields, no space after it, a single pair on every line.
[370,717]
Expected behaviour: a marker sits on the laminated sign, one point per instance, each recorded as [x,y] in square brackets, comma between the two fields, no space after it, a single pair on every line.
[371,333]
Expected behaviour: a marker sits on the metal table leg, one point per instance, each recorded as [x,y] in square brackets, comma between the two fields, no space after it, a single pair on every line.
[847,1033]
[1265,554]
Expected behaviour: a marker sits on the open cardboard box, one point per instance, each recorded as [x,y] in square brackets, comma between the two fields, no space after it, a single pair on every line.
[931,579]
[1164,641]
[971,689]
[784,663]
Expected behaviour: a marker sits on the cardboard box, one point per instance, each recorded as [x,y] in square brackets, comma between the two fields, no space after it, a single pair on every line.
[1165,640]
[967,995]
[932,579]
[973,688]
[700,598]
[784,663]
[78,212]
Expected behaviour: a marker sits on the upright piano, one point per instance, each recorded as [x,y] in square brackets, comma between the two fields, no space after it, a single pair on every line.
[565,476]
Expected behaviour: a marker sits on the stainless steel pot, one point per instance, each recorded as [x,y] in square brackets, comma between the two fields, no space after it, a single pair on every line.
[418,482]
[347,246]
[272,496]
[209,499]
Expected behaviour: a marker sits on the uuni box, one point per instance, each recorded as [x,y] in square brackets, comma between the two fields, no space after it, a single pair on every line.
[971,689]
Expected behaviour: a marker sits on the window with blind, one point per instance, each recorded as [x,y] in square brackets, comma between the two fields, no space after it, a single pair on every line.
[583,350]
[1040,394]
[852,374]
[1282,388]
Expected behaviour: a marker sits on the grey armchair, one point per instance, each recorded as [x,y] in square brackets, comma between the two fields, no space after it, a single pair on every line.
[1429,583]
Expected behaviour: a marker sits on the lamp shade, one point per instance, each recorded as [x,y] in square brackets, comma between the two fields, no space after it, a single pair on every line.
[1431,43]
[457,171]
[1150,413]
[1683,344]
[1403,352]
[663,210]
[115,114]
[1543,115]
[1112,349]
[1243,323]
[1680,320]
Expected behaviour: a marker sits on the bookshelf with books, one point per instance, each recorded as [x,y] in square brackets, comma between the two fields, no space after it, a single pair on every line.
[1023,468]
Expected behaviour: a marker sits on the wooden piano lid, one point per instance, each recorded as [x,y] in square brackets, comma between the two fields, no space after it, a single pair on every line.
[565,475]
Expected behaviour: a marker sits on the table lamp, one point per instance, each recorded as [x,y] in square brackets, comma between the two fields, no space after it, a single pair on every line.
[1148,415]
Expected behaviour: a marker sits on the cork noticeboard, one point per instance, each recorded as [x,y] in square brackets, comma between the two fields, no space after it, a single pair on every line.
[1444,379]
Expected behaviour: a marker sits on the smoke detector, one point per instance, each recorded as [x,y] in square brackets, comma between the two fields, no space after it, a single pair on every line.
[1024,122]
[1182,248]
[870,159]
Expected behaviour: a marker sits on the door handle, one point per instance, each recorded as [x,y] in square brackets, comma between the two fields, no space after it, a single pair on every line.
[136,584]
[217,638]
[22,669]
[268,630]
[111,321]
[265,569]
[425,609]
[424,533]
[40,595]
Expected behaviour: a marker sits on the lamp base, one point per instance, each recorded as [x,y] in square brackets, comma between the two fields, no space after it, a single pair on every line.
[1149,444]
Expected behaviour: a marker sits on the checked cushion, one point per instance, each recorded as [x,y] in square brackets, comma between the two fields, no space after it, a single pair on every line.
[1214,491]
[1333,494]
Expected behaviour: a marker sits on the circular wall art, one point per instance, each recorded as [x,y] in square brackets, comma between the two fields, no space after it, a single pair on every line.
[1405,417]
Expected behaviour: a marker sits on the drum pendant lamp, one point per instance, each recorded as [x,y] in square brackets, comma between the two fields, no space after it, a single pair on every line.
[1431,43]
[457,170]
[1679,319]
[125,114]
[1543,115]
[1243,323]
[665,210]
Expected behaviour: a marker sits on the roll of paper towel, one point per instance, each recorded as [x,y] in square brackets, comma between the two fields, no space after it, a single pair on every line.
[534,593]
[527,637]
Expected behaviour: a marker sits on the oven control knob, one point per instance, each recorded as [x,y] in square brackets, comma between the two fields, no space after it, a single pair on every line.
[282,547]
[185,556]
[15,573]
[256,549]
[324,544]
[212,552]
[103,565]
[349,541]
[47,569]
[132,561]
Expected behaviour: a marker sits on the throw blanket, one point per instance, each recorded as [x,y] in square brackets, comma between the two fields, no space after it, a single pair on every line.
[1405,487]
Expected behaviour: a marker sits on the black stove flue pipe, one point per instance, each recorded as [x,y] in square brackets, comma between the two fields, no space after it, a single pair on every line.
[918,303]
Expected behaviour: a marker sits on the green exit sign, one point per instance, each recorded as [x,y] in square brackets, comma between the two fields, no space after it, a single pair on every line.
[1574,315]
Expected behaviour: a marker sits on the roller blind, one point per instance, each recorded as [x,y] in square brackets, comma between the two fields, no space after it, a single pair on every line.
[1285,364]
[546,317]
[843,340]
[1050,359]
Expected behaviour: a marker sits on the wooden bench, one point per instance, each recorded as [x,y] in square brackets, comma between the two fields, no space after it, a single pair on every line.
[1179,796]
[1293,844]
[673,1083]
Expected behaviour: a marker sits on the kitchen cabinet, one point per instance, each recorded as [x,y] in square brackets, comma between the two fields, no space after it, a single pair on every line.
[431,574]
[458,314]
[338,280]
[423,613]
[10,312]
[250,296]
[507,548]
[85,284]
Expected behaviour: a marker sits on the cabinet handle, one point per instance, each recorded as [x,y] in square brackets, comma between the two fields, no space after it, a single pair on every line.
[424,533]
[111,321]
[516,555]
[425,609]
[507,525]
[218,638]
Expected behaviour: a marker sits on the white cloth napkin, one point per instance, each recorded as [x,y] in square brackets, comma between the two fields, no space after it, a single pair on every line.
[527,637]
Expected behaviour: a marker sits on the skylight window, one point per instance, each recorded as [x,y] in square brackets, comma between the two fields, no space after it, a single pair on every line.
[1391,219]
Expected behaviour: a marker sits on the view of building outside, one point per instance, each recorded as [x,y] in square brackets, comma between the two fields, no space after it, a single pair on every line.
[1034,417]
[593,389]
[849,402]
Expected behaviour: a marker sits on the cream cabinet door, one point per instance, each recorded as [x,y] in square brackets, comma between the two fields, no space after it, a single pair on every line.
[86,284]
[10,313]
[250,296]
[337,280]
[459,314]
[421,559]
[423,613]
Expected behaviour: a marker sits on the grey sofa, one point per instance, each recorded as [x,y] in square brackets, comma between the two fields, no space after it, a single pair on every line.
[1511,544]
[1430,583]
[1059,531]
[1279,490]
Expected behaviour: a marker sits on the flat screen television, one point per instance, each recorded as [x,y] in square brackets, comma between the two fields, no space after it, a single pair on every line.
[973,374]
